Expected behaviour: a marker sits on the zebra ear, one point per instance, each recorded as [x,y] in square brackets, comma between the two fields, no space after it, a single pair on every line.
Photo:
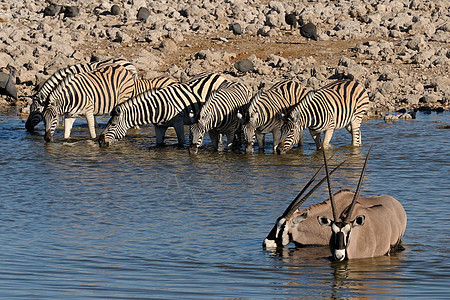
[239,115]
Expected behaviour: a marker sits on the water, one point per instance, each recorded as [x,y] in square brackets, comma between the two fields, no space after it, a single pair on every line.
[135,222]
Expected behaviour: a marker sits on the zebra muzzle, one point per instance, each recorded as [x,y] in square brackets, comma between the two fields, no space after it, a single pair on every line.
[102,141]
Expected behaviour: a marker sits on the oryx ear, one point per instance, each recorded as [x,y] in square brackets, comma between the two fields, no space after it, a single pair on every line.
[300,218]
[358,221]
[324,221]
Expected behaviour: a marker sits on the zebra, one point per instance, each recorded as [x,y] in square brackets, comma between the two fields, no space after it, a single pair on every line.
[143,85]
[90,94]
[219,115]
[337,105]
[44,91]
[170,106]
[265,111]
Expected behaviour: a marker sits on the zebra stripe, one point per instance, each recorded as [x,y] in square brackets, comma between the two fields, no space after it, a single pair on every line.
[169,106]
[60,77]
[264,114]
[143,85]
[337,105]
[90,94]
[219,115]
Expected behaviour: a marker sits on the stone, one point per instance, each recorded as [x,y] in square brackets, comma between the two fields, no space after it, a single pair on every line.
[115,10]
[52,10]
[168,46]
[143,14]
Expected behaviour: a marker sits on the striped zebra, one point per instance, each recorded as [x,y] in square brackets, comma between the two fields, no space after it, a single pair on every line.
[44,91]
[337,105]
[170,106]
[90,94]
[144,85]
[264,114]
[219,115]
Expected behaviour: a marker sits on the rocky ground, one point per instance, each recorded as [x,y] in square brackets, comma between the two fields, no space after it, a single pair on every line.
[399,49]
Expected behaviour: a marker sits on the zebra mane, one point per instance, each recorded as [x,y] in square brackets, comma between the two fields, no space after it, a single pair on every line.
[60,87]
[293,111]
[252,106]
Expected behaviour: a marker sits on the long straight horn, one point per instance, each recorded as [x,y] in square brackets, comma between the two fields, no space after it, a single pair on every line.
[289,208]
[358,188]
[333,205]
[297,205]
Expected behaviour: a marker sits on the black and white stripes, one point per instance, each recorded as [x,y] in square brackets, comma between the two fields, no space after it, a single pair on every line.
[264,114]
[170,106]
[90,94]
[340,104]
[219,115]
[60,77]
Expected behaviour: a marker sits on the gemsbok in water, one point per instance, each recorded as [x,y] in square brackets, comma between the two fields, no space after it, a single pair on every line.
[368,227]
[300,226]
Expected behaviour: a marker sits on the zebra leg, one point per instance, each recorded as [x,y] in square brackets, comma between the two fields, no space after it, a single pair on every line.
[327,137]
[355,130]
[215,137]
[178,125]
[261,141]
[276,133]
[91,123]
[68,124]
[316,137]
[160,133]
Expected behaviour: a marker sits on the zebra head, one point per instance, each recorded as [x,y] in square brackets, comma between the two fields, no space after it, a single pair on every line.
[51,120]
[249,123]
[35,116]
[197,133]
[115,129]
[291,132]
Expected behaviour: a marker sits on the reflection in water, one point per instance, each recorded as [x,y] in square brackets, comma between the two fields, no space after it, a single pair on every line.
[135,221]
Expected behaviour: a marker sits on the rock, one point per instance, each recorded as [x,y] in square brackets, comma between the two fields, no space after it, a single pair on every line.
[71,11]
[236,28]
[244,66]
[143,14]
[416,43]
[52,10]
[168,46]
[412,99]
[115,10]
[430,98]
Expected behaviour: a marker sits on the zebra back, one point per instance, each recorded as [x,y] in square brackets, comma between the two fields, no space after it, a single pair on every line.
[336,104]
[58,77]
[143,85]
[275,101]
[100,89]
[220,110]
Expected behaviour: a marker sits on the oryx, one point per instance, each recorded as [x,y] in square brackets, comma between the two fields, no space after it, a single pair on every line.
[368,227]
[300,226]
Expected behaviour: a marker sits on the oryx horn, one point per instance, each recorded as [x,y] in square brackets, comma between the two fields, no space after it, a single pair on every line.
[333,205]
[358,188]
[294,207]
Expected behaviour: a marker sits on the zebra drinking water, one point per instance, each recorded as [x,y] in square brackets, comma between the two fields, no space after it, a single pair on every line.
[219,115]
[337,105]
[41,97]
[170,106]
[90,94]
[264,113]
